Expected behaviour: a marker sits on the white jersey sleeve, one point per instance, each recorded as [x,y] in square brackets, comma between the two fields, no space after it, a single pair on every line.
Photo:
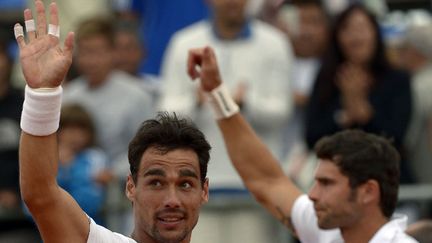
[99,234]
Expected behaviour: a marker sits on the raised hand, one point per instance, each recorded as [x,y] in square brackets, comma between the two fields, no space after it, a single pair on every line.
[44,62]
[202,64]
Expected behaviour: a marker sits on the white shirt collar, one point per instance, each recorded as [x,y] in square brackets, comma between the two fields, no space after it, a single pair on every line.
[392,231]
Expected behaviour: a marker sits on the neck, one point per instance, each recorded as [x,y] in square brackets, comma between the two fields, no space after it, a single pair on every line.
[364,229]
[228,30]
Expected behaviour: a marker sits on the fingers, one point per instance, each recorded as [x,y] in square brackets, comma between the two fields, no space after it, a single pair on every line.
[68,45]
[41,20]
[19,35]
[209,57]
[54,17]
[194,60]
[203,58]
[29,25]
[54,27]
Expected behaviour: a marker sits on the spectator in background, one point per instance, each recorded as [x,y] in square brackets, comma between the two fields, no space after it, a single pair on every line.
[81,167]
[255,59]
[417,59]
[356,87]
[74,12]
[10,107]
[115,100]
[10,13]
[421,231]
[159,20]
[12,220]
[128,55]
[310,41]
[309,36]
[128,49]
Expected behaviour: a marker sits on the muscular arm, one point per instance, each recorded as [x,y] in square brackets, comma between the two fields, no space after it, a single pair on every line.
[57,215]
[257,167]
[259,170]
[44,63]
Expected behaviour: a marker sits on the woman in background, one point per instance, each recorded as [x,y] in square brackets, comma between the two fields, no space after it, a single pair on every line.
[357,88]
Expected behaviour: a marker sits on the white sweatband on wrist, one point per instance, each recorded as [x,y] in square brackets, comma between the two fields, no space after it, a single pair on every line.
[41,111]
[222,102]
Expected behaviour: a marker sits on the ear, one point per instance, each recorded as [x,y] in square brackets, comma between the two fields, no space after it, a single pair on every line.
[205,192]
[130,188]
[370,192]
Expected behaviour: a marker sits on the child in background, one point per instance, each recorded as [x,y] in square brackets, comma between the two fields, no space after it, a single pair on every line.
[82,167]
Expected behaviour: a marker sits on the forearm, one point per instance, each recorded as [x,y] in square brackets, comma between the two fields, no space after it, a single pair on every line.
[55,212]
[38,167]
[258,169]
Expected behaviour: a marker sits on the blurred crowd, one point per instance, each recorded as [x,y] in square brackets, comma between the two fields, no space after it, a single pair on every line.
[299,70]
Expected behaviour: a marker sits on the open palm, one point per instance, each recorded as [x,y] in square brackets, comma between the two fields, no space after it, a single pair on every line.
[44,62]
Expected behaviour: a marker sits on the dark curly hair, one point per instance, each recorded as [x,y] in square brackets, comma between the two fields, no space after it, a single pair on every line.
[168,132]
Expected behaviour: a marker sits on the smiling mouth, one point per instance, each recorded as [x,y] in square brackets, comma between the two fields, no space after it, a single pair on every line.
[318,209]
[170,219]
[170,223]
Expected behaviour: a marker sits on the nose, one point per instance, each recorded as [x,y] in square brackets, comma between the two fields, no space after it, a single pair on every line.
[172,199]
[313,193]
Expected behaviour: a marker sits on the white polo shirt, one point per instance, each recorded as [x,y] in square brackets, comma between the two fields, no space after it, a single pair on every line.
[99,234]
[305,223]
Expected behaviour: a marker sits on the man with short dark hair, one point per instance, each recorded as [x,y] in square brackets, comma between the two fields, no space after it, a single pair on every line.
[356,181]
[168,155]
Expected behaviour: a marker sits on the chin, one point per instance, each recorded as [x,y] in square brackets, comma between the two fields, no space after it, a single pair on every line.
[327,225]
[172,236]
[172,239]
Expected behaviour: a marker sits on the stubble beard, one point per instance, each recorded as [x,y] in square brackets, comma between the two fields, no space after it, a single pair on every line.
[156,234]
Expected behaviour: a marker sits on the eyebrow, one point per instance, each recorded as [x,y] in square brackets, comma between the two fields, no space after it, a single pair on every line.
[155,172]
[159,172]
[188,173]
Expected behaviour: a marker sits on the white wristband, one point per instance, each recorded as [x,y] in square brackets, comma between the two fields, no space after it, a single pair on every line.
[41,111]
[222,102]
